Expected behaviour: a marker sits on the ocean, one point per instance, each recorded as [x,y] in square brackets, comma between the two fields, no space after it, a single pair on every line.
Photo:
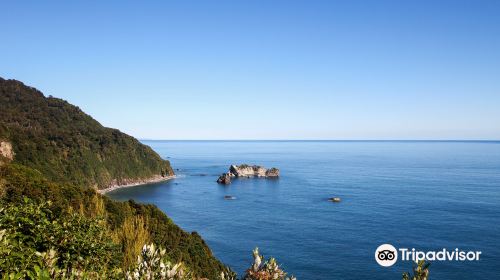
[426,195]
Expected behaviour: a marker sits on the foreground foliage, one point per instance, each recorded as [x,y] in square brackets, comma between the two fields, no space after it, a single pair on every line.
[35,243]
[420,271]
[128,225]
[151,264]
[262,269]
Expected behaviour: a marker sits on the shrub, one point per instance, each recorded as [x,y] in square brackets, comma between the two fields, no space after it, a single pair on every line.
[132,234]
[420,271]
[31,233]
[153,264]
[265,270]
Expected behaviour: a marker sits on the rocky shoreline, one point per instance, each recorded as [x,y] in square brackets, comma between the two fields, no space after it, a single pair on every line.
[136,182]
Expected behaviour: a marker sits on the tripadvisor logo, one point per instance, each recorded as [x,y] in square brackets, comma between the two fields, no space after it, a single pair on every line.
[387,255]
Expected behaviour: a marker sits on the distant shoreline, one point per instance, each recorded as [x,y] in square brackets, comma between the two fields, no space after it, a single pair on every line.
[138,182]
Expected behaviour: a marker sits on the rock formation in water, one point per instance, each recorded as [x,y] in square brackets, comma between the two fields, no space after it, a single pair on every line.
[247,171]
[334,199]
[224,179]
[273,172]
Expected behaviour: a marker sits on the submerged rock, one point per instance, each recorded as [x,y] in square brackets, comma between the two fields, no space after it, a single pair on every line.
[334,199]
[225,179]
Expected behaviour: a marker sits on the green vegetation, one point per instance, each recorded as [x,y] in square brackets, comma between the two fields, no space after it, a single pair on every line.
[66,145]
[31,233]
[36,244]
[152,264]
[129,225]
[61,155]
[420,271]
[262,269]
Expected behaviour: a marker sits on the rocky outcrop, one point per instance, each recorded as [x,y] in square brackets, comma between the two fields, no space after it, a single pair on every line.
[6,152]
[224,179]
[273,172]
[334,199]
[245,170]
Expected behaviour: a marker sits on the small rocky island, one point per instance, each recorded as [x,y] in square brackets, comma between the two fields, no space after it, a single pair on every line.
[334,199]
[247,171]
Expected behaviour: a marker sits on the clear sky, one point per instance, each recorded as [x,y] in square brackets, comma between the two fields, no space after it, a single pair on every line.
[265,69]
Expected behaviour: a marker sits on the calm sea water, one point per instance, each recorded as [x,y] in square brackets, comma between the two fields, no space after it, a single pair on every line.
[423,195]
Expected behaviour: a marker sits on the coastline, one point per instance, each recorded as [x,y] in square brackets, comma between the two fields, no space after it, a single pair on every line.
[135,183]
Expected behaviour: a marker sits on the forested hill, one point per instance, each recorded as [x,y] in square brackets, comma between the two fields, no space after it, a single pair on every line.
[66,145]
[52,155]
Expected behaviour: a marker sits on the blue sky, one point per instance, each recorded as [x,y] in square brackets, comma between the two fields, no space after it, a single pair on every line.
[265,69]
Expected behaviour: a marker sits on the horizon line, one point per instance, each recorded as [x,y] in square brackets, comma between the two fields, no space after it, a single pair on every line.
[326,140]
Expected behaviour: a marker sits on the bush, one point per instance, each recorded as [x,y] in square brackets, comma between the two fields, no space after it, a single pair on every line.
[265,270]
[152,263]
[33,239]
[420,271]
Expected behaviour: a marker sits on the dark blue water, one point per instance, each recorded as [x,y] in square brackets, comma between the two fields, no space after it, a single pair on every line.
[424,195]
